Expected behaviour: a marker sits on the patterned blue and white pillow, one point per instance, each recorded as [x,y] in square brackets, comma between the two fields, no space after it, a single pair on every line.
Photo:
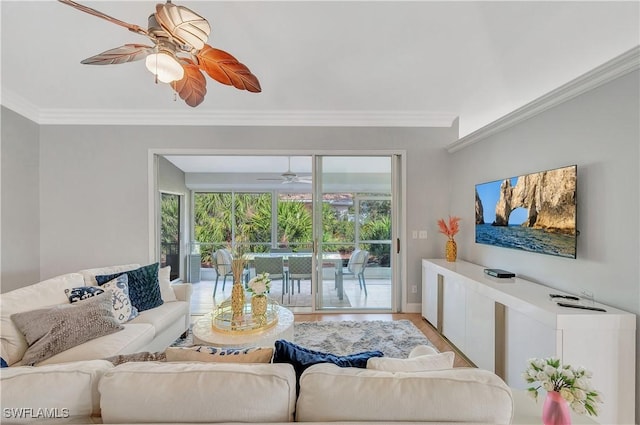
[82,293]
[203,353]
[124,310]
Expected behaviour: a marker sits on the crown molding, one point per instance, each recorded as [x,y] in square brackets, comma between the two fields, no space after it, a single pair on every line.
[203,117]
[291,118]
[20,105]
[615,68]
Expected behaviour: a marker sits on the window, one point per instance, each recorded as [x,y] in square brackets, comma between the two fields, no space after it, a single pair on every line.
[170,233]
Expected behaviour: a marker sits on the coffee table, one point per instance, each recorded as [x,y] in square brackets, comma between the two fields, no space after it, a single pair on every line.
[205,334]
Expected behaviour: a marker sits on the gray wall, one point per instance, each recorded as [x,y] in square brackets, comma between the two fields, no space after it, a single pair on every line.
[94,191]
[20,201]
[598,131]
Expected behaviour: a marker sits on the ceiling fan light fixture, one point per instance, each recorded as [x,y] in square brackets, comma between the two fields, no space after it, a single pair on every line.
[176,30]
[164,66]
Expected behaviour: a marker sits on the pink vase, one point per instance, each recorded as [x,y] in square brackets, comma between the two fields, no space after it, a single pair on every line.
[555,410]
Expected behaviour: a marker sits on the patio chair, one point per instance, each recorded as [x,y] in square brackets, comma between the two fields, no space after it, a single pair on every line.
[222,264]
[275,267]
[300,267]
[223,260]
[356,265]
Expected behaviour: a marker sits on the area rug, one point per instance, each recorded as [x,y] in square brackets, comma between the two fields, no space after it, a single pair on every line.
[393,338]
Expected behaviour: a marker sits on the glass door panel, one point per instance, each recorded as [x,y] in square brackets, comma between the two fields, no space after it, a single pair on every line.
[353,219]
[170,237]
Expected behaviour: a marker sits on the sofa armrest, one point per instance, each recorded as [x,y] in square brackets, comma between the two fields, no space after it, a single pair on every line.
[183,291]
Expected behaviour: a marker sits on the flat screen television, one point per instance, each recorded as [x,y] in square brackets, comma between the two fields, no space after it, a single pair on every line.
[534,212]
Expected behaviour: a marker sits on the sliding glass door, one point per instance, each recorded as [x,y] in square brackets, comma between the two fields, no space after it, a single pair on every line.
[170,235]
[353,228]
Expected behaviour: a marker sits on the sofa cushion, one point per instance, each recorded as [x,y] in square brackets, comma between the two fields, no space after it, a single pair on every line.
[163,316]
[329,393]
[46,293]
[199,392]
[132,339]
[89,275]
[119,286]
[301,358]
[422,363]
[67,390]
[164,279]
[49,331]
[203,353]
[144,288]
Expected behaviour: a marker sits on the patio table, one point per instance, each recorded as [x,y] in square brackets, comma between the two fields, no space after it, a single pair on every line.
[332,258]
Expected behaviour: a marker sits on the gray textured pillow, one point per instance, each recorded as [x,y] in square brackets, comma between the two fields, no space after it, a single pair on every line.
[52,330]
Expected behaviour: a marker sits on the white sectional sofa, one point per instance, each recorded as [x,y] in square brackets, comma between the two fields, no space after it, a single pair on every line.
[198,392]
[153,330]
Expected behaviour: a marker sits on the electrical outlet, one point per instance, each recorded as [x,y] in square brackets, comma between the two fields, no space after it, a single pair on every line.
[422,234]
[414,289]
[414,234]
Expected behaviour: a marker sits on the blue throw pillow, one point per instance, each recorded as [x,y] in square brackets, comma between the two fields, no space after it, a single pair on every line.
[3,363]
[144,288]
[301,358]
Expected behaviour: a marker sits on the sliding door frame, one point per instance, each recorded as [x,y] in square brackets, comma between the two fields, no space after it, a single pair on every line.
[399,227]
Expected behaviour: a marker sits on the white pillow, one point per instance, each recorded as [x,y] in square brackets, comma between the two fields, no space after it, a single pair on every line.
[422,363]
[421,350]
[164,278]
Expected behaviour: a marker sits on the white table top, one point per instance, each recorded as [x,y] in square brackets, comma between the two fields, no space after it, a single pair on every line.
[204,333]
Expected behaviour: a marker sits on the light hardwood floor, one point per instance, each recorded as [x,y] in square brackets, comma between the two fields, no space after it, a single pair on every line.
[202,302]
[416,318]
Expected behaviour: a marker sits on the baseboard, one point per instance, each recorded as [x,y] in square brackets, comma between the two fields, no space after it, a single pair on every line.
[412,308]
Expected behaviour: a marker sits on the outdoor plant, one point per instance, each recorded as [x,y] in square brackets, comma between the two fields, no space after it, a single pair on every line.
[573,384]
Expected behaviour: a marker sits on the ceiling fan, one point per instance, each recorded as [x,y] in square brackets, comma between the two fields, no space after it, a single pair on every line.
[289,177]
[179,54]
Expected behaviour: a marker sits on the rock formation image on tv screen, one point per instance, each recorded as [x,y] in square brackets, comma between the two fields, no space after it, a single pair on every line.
[534,212]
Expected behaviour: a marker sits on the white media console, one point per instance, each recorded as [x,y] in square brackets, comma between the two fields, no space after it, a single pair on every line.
[501,323]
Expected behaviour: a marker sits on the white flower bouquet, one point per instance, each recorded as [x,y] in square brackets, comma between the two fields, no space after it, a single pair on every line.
[259,284]
[573,384]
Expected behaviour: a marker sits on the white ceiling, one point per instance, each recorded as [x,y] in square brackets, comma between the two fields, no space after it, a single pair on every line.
[416,63]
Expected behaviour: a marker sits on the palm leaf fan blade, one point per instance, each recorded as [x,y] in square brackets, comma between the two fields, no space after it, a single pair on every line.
[122,54]
[224,68]
[193,85]
[183,24]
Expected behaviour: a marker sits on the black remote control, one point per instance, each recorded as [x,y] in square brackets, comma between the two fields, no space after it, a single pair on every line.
[582,307]
[566,297]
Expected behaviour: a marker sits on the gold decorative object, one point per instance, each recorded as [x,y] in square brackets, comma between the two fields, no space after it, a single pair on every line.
[179,55]
[451,250]
[450,230]
[225,320]
[237,292]
[259,308]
